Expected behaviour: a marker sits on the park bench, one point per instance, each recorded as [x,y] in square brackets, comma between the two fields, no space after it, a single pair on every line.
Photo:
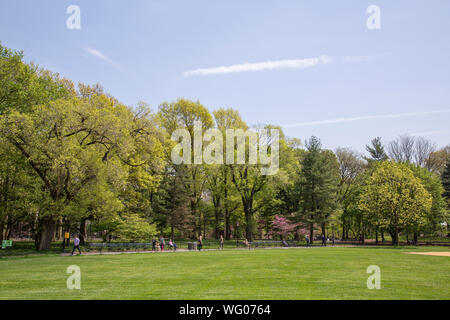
[6,243]
[119,246]
[273,243]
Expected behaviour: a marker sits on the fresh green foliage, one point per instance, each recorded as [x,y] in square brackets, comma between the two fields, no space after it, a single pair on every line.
[75,160]
[395,198]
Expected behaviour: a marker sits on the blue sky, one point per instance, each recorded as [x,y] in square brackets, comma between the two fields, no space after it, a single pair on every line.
[144,50]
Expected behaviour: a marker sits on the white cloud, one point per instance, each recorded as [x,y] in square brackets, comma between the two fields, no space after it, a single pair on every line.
[96,53]
[350,119]
[260,66]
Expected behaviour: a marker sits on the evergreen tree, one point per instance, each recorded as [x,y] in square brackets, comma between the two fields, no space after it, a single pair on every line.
[319,180]
[376,150]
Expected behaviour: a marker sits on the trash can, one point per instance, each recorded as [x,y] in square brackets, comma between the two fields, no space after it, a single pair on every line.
[192,245]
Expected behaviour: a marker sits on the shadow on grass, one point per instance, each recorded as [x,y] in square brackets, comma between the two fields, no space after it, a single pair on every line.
[19,249]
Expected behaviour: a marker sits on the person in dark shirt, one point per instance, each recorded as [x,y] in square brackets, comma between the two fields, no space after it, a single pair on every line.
[200,243]
[162,242]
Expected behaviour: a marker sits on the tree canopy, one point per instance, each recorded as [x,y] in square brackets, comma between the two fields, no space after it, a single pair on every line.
[74,159]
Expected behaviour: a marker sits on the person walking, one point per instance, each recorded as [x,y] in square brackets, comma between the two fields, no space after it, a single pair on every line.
[153,245]
[247,244]
[324,241]
[76,245]
[221,242]
[162,242]
[200,243]
[308,241]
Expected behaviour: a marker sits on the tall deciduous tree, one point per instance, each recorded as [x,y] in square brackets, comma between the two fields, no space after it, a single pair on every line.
[23,86]
[250,180]
[437,160]
[402,149]
[436,216]
[350,167]
[395,197]
[69,141]
[223,192]
[423,148]
[183,114]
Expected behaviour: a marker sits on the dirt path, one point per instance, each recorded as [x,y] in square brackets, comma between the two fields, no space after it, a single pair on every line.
[440,254]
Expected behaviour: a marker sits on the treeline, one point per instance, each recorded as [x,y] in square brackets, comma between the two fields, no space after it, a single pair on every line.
[75,159]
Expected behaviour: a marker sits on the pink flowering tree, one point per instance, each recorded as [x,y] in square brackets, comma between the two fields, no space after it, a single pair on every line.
[283,227]
[303,232]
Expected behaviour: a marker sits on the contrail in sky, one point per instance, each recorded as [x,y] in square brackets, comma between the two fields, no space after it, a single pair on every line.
[98,54]
[351,119]
[260,66]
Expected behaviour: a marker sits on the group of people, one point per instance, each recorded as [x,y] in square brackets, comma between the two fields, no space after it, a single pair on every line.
[172,244]
[200,243]
[162,244]
[323,238]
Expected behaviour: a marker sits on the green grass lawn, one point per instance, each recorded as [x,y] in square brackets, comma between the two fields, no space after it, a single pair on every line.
[316,273]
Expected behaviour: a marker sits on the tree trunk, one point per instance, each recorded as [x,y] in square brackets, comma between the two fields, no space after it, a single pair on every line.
[193,213]
[9,230]
[60,229]
[227,212]
[217,222]
[83,235]
[63,241]
[248,223]
[227,225]
[204,225]
[248,211]
[311,232]
[394,236]
[45,234]
[376,235]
